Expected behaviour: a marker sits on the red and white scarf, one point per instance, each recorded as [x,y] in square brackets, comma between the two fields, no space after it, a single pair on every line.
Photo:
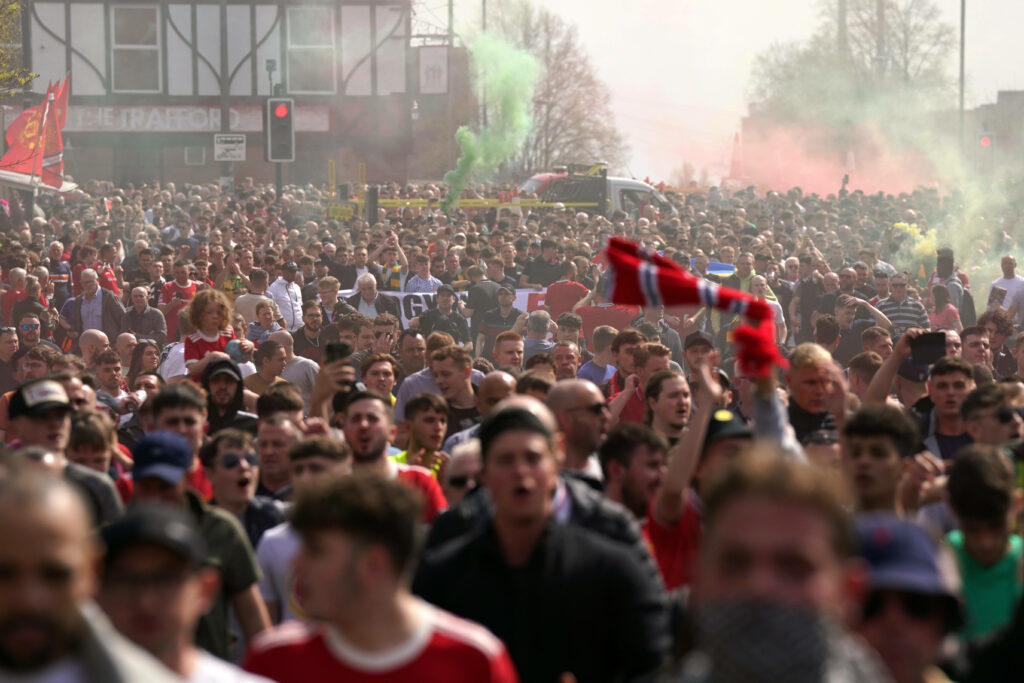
[638,276]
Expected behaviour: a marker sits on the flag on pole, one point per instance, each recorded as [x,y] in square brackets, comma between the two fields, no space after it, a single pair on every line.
[637,276]
[52,166]
[34,140]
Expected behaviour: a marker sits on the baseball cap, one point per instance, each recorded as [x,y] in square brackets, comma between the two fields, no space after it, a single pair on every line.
[726,424]
[506,288]
[222,366]
[35,398]
[903,557]
[165,526]
[696,339]
[446,288]
[289,265]
[164,455]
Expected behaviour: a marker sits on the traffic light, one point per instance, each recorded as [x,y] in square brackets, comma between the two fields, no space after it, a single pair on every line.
[985,139]
[280,129]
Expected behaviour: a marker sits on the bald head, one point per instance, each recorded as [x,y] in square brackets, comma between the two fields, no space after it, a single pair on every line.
[92,342]
[495,387]
[568,393]
[524,402]
[285,339]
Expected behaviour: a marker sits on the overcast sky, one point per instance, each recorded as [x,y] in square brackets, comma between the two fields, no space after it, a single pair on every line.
[679,70]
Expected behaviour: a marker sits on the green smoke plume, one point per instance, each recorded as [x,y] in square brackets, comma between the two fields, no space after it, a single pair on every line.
[506,77]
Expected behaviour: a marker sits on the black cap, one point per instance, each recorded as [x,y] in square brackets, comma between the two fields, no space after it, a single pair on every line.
[446,288]
[913,372]
[35,398]
[165,526]
[696,339]
[222,366]
[289,265]
[509,419]
[725,424]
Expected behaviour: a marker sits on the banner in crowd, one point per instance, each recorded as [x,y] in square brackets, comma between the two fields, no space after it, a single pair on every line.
[412,304]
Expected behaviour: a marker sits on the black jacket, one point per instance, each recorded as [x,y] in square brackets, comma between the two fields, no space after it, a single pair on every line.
[234,416]
[582,604]
[588,509]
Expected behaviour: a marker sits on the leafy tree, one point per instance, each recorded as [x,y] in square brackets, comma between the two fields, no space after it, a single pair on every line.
[572,118]
[13,77]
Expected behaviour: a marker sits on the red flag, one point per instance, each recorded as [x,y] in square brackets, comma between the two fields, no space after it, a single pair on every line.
[23,140]
[52,166]
[638,276]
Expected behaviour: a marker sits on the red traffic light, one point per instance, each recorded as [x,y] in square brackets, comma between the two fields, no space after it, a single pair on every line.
[281,111]
[985,141]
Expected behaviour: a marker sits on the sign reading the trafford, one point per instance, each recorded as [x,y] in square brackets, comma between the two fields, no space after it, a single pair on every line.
[228,147]
[184,119]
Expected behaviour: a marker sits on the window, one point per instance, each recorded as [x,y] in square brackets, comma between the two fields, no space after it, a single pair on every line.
[136,49]
[311,62]
[195,156]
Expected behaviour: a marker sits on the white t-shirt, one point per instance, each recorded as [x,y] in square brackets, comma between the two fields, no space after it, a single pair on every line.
[174,364]
[1003,291]
[210,669]
[302,373]
[275,552]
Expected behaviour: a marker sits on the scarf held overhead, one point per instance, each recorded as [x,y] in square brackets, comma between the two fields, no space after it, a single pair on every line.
[638,276]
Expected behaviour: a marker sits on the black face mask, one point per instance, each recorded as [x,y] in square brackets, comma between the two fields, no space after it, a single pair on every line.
[754,641]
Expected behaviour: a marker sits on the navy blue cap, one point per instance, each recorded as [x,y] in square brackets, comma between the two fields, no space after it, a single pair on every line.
[902,556]
[165,526]
[913,372]
[164,455]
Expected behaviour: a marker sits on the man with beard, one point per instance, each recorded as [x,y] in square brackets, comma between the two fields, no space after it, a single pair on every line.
[223,384]
[369,427]
[48,628]
[307,337]
[582,416]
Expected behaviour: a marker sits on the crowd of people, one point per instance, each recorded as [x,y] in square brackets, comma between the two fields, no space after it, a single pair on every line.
[244,442]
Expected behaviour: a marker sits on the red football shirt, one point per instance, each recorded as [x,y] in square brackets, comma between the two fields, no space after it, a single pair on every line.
[421,480]
[170,293]
[197,345]
[561,296]
[675,547]
[618,316]
[442,649]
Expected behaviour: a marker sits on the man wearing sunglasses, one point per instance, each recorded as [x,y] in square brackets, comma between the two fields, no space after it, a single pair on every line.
[994,414]
[902,311]
[908,609]
[232,466]
[29,329]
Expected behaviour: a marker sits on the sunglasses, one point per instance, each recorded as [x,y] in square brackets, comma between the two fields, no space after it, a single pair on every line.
[30,326]
[916,605]
[461,481]
[1006,414]
[595,408]
[8,329]
[231,460]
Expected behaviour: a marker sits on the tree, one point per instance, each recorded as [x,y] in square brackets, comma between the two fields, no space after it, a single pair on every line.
[13,76]
[572,118]
[894,60]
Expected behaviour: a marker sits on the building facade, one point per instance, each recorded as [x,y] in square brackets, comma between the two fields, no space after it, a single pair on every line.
[149,81]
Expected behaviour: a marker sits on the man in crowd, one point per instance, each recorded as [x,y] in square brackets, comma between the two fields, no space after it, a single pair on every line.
[246,303]
[308,338]
[174,296]
[592,640]
[222,382]
[582,416]
[878,441]
[159,545]
[902,311]
[452,366]
[495,387]
[496,320]
[144,321]
[50,626]
[508,352]
[377,522]
[286,294]
[369,302]
[94,309]
[275,437]
[566,357]
[445,318]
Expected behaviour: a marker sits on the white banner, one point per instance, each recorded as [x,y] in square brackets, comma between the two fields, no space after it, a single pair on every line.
[412,305]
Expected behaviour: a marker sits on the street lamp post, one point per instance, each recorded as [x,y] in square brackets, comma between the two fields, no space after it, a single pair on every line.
[963,25]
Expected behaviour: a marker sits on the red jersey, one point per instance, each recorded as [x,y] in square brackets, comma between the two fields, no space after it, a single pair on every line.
[422,481]
[173,292]
[635,410]
[197,345]
[442,649]
[619,316]
[7,301]
[561,296]
[107,278]
[675,547]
